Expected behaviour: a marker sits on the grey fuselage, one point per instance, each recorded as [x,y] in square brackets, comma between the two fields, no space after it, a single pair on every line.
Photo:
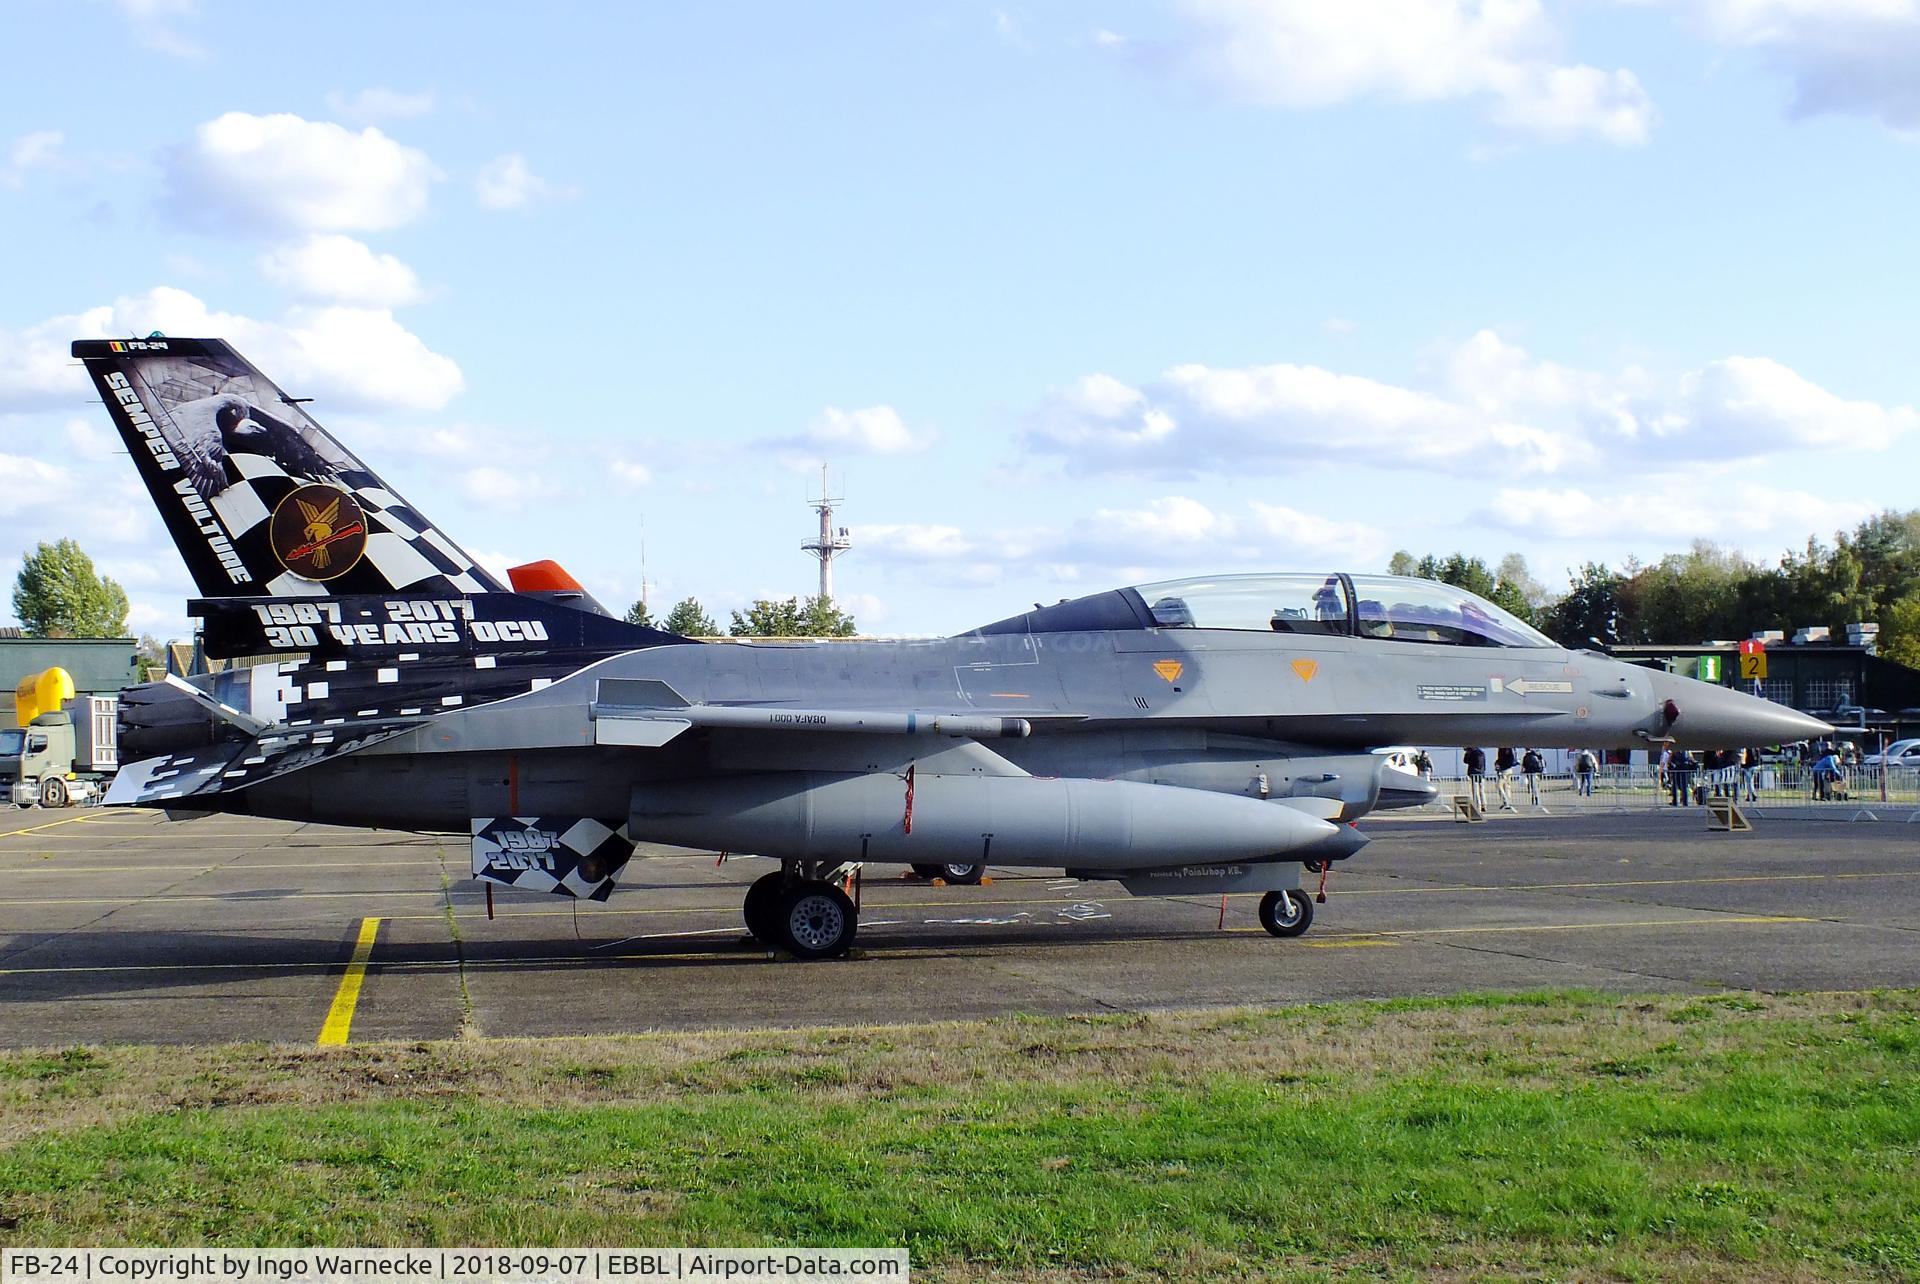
[1223,710]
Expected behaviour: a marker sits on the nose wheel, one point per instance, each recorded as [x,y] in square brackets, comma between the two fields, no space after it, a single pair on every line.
[1287,913]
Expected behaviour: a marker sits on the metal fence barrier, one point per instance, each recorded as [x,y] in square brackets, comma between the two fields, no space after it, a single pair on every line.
[1772,786]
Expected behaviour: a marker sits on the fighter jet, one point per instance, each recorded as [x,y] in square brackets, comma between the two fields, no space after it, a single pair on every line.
[1199,735]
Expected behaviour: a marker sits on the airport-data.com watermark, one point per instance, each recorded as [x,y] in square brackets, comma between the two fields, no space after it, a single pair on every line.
[453,1266]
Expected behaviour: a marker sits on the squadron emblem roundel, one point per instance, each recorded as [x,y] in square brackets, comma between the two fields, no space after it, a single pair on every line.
[318,532]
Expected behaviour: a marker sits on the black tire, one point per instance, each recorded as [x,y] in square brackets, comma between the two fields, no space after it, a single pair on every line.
[926,871]
[1286,913]
[817,920]
[53,792]
[960,874]
[762,908]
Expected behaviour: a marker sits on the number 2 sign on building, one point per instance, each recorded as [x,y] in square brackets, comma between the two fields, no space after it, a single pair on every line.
[1753,661]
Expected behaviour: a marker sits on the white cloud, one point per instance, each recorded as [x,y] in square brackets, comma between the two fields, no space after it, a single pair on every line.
[629,473]
[1680,508]
[353,358]
[1176,531]
[357,358]
[339,269]
[1490,407]
[37,150]
[876,430]
[152,23]
[375,103]
[1165,536]
[500,488]
[1308,53]
[1757,405]
[1855,57]
[89,440]
[88,499]
[1010,28]
[914,541]
[283,173]
[506,183]
[498,563]
[868,612]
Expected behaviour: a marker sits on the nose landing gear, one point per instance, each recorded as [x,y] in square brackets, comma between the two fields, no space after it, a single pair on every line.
[1287,913]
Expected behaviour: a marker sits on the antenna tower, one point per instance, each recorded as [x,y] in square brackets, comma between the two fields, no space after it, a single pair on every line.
[832,540]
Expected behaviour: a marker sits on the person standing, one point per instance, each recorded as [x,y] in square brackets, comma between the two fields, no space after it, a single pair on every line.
[1584,766]
[1680,779]
[1749,772]
[1476,763]
[1505,763]
[1531,765]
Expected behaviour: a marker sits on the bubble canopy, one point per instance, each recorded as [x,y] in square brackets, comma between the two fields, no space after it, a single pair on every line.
[1391,607]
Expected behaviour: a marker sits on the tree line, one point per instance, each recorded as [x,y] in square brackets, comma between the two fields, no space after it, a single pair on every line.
[816,617]
[59,594]
[1870,574]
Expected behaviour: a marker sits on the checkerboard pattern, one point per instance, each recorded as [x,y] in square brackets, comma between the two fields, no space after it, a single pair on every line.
[566,855]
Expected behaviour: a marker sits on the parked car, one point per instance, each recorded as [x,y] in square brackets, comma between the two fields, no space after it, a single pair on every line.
[1901,753]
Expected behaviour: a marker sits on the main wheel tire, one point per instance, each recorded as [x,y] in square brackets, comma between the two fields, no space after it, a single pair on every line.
[817,920]
[53,792]
[926,871]
[762,908]
[961,874]
[1286,913]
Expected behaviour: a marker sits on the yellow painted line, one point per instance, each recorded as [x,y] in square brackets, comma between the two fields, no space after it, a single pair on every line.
[53,824]
[1349,945]
[340,1015]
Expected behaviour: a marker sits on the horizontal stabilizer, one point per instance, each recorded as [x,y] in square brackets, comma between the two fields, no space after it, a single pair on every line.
[225,712]
[235,764]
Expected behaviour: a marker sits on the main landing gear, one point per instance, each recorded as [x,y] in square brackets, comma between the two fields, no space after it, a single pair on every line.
[803,909]
[1287,913]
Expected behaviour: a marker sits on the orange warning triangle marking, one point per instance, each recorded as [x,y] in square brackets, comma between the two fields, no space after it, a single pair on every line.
[1169,669]
[1306,669]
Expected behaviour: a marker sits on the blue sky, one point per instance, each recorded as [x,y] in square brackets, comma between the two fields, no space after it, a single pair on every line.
[1067,296]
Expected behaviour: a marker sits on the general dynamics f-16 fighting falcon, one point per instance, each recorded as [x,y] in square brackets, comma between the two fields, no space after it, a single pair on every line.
[1201,735]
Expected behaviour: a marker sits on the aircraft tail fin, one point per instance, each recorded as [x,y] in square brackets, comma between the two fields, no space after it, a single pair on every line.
[260,500]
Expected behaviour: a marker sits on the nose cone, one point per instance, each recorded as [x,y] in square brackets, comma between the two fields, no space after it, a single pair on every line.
[1344,842]
[1404,789]
[1719,718]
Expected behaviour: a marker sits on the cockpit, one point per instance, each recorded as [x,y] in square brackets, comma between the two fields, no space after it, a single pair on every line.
[1372,606]
[1390,607]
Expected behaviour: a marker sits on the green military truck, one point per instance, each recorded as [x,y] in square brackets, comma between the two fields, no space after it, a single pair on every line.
[65,749]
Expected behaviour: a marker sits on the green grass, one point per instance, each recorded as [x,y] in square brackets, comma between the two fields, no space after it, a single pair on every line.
[1546,1136]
